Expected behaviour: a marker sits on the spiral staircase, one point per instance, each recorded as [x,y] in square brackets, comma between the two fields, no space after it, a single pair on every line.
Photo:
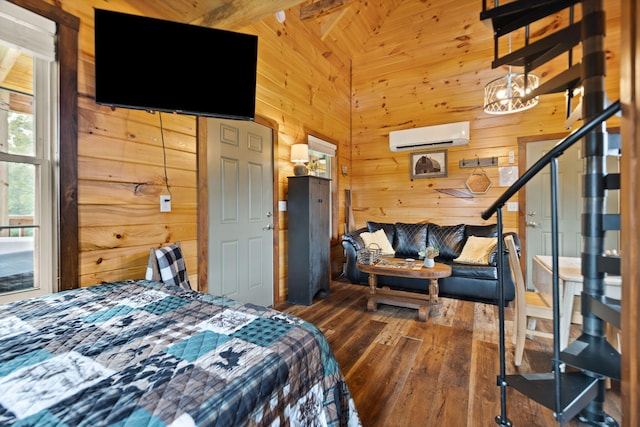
[575,386]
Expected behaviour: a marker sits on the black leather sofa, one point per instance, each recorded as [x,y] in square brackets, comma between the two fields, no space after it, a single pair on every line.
[467,282]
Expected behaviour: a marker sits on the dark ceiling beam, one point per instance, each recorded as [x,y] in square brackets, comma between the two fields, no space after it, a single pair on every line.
[239,13]
[320,8]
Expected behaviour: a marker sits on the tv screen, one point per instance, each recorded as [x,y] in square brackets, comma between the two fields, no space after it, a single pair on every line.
[153,64]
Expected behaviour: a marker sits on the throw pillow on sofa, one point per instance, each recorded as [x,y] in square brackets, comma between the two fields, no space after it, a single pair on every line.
[379,240]
[389,229]
[410,238]
[449,239]
[477,250]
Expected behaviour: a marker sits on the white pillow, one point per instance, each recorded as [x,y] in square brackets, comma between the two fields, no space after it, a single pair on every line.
[477,250]
[378,238]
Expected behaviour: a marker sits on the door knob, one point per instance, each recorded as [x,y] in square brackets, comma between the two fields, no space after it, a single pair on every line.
[532,213]
[268,227]
[532,224]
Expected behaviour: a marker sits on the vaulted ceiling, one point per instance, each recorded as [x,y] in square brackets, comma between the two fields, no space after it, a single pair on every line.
[344,25]
[324,14]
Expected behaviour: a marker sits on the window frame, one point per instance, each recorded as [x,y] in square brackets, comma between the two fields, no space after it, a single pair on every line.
[67,25]
[328,146]
[43,159]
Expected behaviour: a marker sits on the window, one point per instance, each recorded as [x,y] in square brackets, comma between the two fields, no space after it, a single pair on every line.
[321,154]
[321,159]
[28,115]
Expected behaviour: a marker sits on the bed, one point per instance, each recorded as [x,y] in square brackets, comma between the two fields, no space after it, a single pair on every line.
[142,353]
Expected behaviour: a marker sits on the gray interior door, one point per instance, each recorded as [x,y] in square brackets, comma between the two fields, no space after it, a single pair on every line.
[239,158]
[538,204]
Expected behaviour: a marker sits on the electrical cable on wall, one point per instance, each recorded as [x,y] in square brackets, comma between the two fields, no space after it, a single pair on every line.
[164,155]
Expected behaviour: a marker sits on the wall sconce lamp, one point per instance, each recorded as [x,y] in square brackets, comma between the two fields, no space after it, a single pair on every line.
[299,155]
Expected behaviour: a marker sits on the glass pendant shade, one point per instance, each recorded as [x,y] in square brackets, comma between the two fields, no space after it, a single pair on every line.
[504,95]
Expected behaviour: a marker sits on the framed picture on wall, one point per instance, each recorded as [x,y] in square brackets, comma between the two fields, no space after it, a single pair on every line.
[428,164]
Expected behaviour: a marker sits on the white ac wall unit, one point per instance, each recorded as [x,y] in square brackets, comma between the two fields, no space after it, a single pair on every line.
[430,137]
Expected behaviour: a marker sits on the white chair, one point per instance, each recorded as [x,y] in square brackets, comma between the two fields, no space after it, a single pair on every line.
[530,306]
[166,265]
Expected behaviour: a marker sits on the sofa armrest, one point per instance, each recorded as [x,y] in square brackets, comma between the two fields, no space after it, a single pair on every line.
[352,243]
[353,238]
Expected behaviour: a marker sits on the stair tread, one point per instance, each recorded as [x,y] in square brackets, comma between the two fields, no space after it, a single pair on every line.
[543,50]
[593,354]
[609,263]
[612,181]
[517,14]
[577,390]
[611,221]
[605,308]
[568,79]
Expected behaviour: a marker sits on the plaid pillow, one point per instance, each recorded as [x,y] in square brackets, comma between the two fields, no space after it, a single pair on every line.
[148,275]
[172,268]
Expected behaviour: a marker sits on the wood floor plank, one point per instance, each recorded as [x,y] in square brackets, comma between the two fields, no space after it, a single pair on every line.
[363,338]
[420,388]
[451,400]
[442,372]
[388,379]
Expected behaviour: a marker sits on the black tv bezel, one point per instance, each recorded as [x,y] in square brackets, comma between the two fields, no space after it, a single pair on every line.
[130,25]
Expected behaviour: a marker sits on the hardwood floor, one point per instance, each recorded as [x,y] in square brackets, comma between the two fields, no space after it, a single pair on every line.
[403,372]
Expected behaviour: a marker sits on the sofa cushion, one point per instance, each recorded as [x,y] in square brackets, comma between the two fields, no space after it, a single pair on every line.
[377,240]
[409,239]
[469,271]
[489,230]
[477,250]
[389,229]
[449,239]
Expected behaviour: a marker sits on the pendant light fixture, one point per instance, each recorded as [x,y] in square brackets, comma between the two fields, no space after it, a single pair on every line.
[504,95]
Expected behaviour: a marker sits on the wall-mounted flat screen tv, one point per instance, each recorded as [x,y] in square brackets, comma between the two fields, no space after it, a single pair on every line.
[158,65]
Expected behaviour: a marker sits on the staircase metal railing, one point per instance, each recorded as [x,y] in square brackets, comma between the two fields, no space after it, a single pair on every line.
[578,394]
[557,151]
[565,407]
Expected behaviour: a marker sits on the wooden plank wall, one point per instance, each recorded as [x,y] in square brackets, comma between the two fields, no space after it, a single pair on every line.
[353,75]
[370,68]
[303,91]
[426,65]
[120,165]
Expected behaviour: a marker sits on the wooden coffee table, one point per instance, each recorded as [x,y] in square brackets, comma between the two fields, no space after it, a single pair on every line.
[412,269]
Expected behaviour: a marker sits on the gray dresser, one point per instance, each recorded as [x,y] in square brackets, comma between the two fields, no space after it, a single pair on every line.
[309,238]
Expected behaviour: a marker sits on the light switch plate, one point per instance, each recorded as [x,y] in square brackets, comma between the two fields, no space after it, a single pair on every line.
[165,203]
[512,206]
[282,205]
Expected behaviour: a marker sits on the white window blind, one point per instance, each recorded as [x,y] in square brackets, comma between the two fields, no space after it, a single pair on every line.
[27,32]
[321,146]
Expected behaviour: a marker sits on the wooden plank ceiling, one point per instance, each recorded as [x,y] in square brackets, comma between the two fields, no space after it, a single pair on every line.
[352,22]
[343,25]
[231,14]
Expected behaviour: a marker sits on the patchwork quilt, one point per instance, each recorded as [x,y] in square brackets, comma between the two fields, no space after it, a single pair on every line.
[141,353]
